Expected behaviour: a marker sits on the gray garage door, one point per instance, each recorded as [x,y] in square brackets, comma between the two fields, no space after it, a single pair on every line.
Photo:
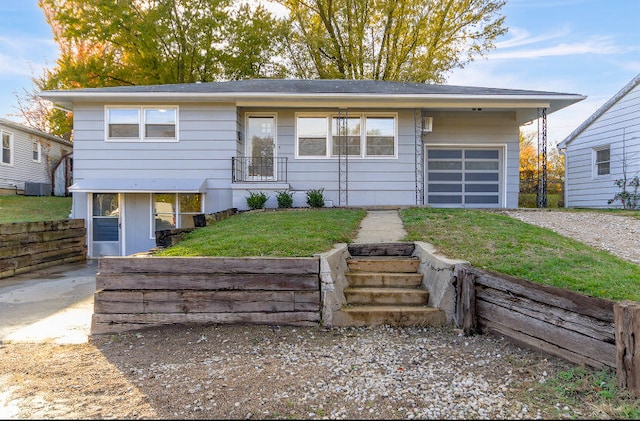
[468,177]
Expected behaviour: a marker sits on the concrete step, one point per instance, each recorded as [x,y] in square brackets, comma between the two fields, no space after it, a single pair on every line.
[384,279]
[383,264]
[386,296]
[400,316]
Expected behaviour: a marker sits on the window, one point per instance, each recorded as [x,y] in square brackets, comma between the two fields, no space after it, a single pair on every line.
[602,161]
[175,210]
[360,136]
[142,124]
[7,148]
[37,152]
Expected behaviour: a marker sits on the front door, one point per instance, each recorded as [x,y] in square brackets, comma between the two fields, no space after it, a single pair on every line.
[105,225]
[261,147]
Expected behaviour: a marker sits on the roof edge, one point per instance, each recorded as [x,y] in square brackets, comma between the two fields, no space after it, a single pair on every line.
[600,111]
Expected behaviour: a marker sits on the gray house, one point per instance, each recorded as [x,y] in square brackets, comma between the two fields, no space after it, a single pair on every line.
[33,162]
[150,157]
[602,149]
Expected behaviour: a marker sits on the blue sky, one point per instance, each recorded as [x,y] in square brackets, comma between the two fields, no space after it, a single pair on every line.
[587,47]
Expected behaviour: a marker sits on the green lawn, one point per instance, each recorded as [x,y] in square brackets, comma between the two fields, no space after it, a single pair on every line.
[17,208]
[502,244]
[295,233]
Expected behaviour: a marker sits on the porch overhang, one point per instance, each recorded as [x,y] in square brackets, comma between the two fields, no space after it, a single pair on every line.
[131,185]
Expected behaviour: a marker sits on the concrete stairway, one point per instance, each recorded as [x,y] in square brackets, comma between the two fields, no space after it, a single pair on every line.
[385,288]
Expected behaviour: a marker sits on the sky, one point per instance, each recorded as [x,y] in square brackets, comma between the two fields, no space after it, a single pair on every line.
[586,47]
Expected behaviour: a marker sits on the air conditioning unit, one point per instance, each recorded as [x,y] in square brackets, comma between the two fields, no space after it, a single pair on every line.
[427,124]
[37,189]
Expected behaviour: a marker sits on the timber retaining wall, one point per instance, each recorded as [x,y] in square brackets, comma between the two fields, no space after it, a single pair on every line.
[573,326]
[29,246]
[138,292]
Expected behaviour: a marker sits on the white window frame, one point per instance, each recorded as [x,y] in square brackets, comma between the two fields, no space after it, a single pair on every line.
[596,163]
[177,213]
[141,123]
[4,133]
[363,135]
[37,150]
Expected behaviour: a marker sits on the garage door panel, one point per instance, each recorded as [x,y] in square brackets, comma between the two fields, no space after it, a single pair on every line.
[472,172]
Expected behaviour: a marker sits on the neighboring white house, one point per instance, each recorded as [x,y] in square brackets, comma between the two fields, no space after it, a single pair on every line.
[29,160]
[148,157]
[602,150]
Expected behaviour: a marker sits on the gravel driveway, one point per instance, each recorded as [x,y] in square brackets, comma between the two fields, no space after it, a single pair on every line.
[618,235]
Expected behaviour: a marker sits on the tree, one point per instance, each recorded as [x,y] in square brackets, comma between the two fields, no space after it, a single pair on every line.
[117,42]
[530,166]
[401,40]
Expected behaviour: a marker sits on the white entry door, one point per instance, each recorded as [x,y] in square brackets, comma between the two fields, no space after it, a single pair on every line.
[261,148]
[105,225]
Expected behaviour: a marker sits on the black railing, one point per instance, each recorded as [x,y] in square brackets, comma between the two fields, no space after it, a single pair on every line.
[258,169]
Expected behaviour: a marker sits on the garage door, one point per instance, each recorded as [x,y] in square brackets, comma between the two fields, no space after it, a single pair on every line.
[468,177]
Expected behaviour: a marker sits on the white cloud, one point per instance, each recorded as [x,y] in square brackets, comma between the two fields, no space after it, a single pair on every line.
[592,45]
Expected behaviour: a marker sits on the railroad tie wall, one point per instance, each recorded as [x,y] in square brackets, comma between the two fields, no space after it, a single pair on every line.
[570,325]
[29,246]
[138,292]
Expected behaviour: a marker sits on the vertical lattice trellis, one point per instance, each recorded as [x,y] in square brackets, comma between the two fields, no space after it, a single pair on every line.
[343,157]
[418,123]
[541,192]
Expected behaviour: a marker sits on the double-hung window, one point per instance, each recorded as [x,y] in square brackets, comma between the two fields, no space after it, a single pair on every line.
[7,148]
[359,136]
[602,164]
[142,124]
[37,152]
[175,210]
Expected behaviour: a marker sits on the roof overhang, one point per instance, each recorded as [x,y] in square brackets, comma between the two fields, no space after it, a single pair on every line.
[525,106]
[130,185]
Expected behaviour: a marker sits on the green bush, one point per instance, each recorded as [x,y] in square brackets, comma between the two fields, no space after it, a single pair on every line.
[285,199]
[315,198]
[257,200]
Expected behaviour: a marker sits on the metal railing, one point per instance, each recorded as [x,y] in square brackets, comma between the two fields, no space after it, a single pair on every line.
[258,169]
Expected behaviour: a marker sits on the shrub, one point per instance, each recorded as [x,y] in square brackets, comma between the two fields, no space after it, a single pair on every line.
[285,199]
[315,198]
[628,196]
[257,200]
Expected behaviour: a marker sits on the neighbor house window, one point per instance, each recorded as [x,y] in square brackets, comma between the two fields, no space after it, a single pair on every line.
[7,148]
[175,210]
[602,161]
[156,124]
[37,152]
[360,136]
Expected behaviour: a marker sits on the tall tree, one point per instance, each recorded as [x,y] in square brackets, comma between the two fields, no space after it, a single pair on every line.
[402,40]
[140,42]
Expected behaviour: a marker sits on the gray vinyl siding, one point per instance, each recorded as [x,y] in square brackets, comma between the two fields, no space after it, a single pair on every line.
[24,168]
[622,120]
[207,141]
[391,181]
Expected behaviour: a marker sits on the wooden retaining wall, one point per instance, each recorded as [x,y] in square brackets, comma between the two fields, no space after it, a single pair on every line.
[28,246]
[573,326]
[139,292]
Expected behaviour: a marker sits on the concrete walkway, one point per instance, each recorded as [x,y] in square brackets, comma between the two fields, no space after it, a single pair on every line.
[381,226]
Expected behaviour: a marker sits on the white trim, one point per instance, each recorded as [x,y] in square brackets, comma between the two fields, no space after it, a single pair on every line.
[594,162]
[248,143]
[141,109]
[12,149]
[362,116]
[39,147]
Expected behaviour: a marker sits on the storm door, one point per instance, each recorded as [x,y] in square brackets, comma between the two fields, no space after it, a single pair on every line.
[105,224]
[261,148]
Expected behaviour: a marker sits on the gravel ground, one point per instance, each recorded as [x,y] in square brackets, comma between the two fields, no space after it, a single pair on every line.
[278,372]
[618,235]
